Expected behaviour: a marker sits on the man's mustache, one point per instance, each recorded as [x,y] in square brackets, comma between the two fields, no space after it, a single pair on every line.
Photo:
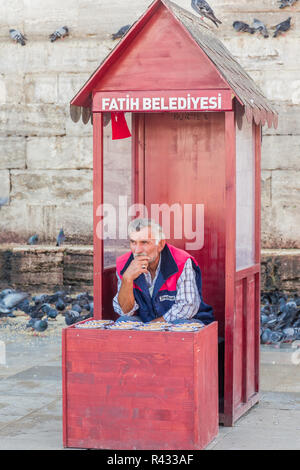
[139,254]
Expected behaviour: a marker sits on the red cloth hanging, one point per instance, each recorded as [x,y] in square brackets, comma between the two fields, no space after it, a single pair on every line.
[119,126]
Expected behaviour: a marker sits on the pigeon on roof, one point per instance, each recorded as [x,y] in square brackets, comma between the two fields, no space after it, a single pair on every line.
[122,31]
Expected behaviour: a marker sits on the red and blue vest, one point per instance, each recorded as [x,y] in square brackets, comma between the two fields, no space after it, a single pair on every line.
[164,293]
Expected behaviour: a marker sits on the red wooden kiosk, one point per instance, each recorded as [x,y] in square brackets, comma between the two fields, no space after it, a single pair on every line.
[196,137]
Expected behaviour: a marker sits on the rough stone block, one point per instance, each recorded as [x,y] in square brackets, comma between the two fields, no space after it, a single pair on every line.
[108,16]
[51,186]
[274,85]
[43,18]
[82,56]
[77,221]
[78,129]
[12,152]
[288,122]
[266,188]
[78,266]
[280,152]
[59,153]
[281,221]
[41,88]
[28,120]
[69,84]
[37,266]
[11,14]
[280,269]
[4,184]
[13,222]
[12,88]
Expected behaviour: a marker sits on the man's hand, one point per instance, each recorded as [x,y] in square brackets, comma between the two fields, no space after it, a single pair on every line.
[137,266]
[160,319]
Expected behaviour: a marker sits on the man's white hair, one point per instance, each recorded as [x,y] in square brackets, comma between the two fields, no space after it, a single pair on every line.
[138,224]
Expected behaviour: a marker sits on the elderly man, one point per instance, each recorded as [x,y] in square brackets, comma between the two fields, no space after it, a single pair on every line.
[157,281]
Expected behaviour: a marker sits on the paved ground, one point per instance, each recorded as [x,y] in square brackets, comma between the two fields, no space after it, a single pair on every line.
[31,408]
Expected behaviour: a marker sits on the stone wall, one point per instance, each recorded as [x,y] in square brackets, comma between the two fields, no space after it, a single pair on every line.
[46,159]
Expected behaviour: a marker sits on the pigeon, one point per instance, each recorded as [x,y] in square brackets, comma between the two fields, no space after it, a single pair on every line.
[282,27]
[40,325]
[60,237]
[3,201]
[17,36]
[266,336]
[244,27]
[33,240]
[286,3]
[31,323]
[261,27]
[76,308]
[5,292]
[14,299]
[39,299]
[122,31]
[276,336]
[71,317]
[204,10]
[52,313]
[60,305]
[45,308]
[24,306]
[59,33]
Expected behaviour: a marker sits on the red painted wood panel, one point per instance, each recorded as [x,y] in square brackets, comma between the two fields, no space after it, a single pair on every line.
[250,339]
[230,267]
[185,163]
[97,201]
[238,345]
[144,390]
[158,60]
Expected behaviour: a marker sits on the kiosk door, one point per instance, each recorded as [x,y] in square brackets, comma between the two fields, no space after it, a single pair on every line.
[184,182]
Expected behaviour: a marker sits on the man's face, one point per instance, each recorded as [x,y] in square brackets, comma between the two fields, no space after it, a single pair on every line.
[144,243]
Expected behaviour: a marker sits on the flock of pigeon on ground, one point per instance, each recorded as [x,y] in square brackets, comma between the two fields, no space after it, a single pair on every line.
[44,307]
[279,318]
[201,7]
[279,315]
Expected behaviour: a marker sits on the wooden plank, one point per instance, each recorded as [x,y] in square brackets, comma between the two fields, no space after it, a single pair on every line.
[230,263]
[151,62]
[64,389]
[138,158]
[97,201]
[257,137]
[206,416]
[244,273]
[238,344]
[250,344]
[257,330]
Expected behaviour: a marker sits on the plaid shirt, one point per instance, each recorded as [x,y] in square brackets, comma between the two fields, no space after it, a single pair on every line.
[187,300]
